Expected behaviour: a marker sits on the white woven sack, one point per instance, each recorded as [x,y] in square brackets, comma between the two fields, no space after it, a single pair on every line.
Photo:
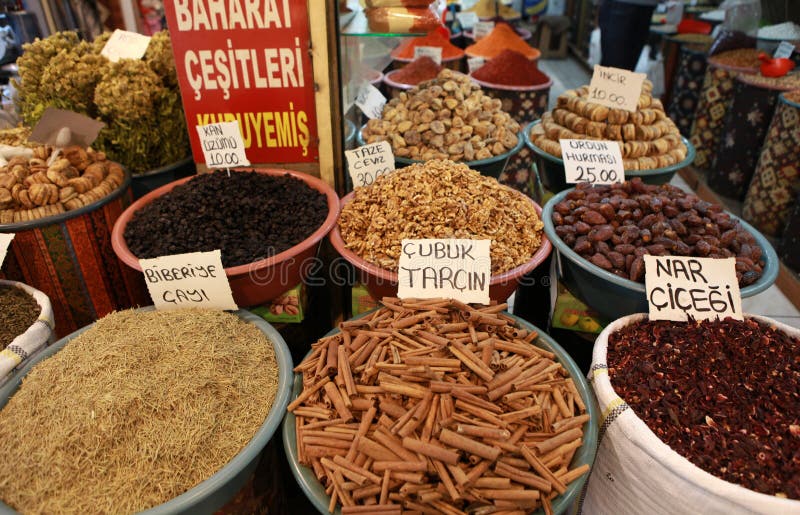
[32,341]
[636,473]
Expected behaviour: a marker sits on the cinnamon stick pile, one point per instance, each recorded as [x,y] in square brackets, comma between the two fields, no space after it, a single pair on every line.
[434,406]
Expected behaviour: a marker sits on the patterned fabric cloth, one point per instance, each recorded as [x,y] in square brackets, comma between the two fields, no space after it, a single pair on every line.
[29,343]
[789,250]
[743,135]
[517,173]
[524,107]
[776,182]
[73,263]
[714,101]
[686,88]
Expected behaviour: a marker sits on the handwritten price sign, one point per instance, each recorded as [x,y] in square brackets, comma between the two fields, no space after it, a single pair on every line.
[616,88]
[595,162]
[222,145]
[370,101]
[369,162]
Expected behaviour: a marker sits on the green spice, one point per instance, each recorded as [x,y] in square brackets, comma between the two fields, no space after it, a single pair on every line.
[18,311]
[138,100]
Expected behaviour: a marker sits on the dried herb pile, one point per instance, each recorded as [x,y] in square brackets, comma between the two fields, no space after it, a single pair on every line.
[18,311]
[249,216]
[723,394]
[134,412]
[138,100]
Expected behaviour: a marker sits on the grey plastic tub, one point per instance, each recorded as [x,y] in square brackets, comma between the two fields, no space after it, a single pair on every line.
[315,491]
[614,297]
[213,493]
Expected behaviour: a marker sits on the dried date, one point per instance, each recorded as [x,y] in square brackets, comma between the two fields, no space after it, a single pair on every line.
[634,219]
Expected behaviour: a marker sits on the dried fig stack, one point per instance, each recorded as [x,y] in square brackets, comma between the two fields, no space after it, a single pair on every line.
[648,138]
[40,186]
[448,117]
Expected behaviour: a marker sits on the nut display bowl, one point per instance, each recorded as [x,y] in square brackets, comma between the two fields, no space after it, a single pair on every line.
[213,493]
[613,296]
[381,282]
[315,491]
[349,133]
[551,168]
[260,281]
[490,167]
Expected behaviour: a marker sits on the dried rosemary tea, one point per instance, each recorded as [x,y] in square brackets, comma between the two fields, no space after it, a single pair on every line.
[134,412]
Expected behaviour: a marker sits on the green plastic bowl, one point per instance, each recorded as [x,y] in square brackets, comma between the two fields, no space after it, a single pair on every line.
[491,167]
[315,491]
[213,493]
[551,168]
[615,297]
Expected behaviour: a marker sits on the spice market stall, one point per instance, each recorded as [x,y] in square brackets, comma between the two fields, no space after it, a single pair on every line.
[437,400]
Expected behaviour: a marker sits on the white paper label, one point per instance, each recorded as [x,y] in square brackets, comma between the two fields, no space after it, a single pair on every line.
[369,162]
[125,45]
[617,88]
[193,280]
[5,241]
[592,161]
[451,268]
[434,52]
[784,50]
[473,63]
[223,146]
[370,101]
[467,20]
[482,29]
[703,288]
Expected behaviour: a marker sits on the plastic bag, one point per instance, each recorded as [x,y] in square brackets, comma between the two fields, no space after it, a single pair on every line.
[655,74]
[403,19]
[730,40]
[32,341]
[635,472]
[595,50]
[742,15]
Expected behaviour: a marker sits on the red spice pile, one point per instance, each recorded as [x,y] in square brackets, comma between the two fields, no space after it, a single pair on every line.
[417,71]
[511,68]
[435,39]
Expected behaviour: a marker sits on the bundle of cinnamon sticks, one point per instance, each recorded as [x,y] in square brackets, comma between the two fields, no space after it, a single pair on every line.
[434,406]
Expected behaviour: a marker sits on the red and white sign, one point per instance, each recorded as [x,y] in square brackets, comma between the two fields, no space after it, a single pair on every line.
[247,61]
